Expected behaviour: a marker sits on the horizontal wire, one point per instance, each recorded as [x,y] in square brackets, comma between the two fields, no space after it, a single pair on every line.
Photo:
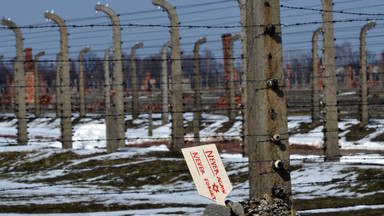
[333,11]
[172,191]
[226,163]
[188,26]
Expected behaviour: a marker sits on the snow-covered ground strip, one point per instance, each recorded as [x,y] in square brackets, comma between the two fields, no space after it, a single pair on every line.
[159,194]
[158,212]
[324,172]
[317,172]
[89,139]
[315,136]
[89,133]
[366,143]
[216,123]
[307,182]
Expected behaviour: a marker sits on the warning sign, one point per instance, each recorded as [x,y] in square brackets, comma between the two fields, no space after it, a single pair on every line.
[208,172]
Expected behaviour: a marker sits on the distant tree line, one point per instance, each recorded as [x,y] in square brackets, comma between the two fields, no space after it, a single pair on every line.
[211,68]
[300,63]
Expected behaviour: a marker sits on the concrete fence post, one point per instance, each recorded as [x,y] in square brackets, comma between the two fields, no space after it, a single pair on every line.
[36,84]
[58,85]
[82,85]
[164,83]
[65,85]
[177,91]
[110,129]
[363,75]
[14,92]
[135,83]
[196,124]
[118,99]
[19,84]
[197,92]
[320,75]
[244,81]
[110,114]
[330,112]
[150,124]
[231,81]
[107,82]
[315,79]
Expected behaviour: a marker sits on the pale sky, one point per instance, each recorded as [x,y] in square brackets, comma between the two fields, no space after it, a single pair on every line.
[197,12]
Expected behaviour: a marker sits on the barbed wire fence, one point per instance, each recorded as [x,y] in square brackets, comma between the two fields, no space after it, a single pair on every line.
[298,100]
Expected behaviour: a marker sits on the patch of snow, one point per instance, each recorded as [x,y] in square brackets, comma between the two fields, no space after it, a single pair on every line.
[89,138]
[158,148]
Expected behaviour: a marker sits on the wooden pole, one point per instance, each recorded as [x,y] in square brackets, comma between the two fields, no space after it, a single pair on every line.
[268,130]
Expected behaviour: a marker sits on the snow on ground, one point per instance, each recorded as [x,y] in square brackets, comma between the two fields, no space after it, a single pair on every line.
[319,172]
[159,212]
[89,138]
[315,136]
[89,133]
[316,171]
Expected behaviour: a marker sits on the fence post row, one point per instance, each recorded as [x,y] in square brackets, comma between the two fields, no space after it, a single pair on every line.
[135,83]
[330,112]
[19,84]
[118,99]
[177,92]
[196,87]
[363,75]
[266,102]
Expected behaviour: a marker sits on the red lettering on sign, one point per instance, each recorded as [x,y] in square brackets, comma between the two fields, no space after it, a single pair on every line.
[211,161]
[221,185]
[196,159]
[210,189]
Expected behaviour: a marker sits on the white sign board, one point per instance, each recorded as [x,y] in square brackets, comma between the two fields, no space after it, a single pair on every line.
[208,172]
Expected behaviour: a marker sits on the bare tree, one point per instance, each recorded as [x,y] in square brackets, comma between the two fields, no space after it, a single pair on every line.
[345,55]
[89,62]
[301,66]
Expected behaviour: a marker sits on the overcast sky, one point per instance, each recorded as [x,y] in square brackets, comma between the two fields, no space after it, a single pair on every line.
[197,12]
